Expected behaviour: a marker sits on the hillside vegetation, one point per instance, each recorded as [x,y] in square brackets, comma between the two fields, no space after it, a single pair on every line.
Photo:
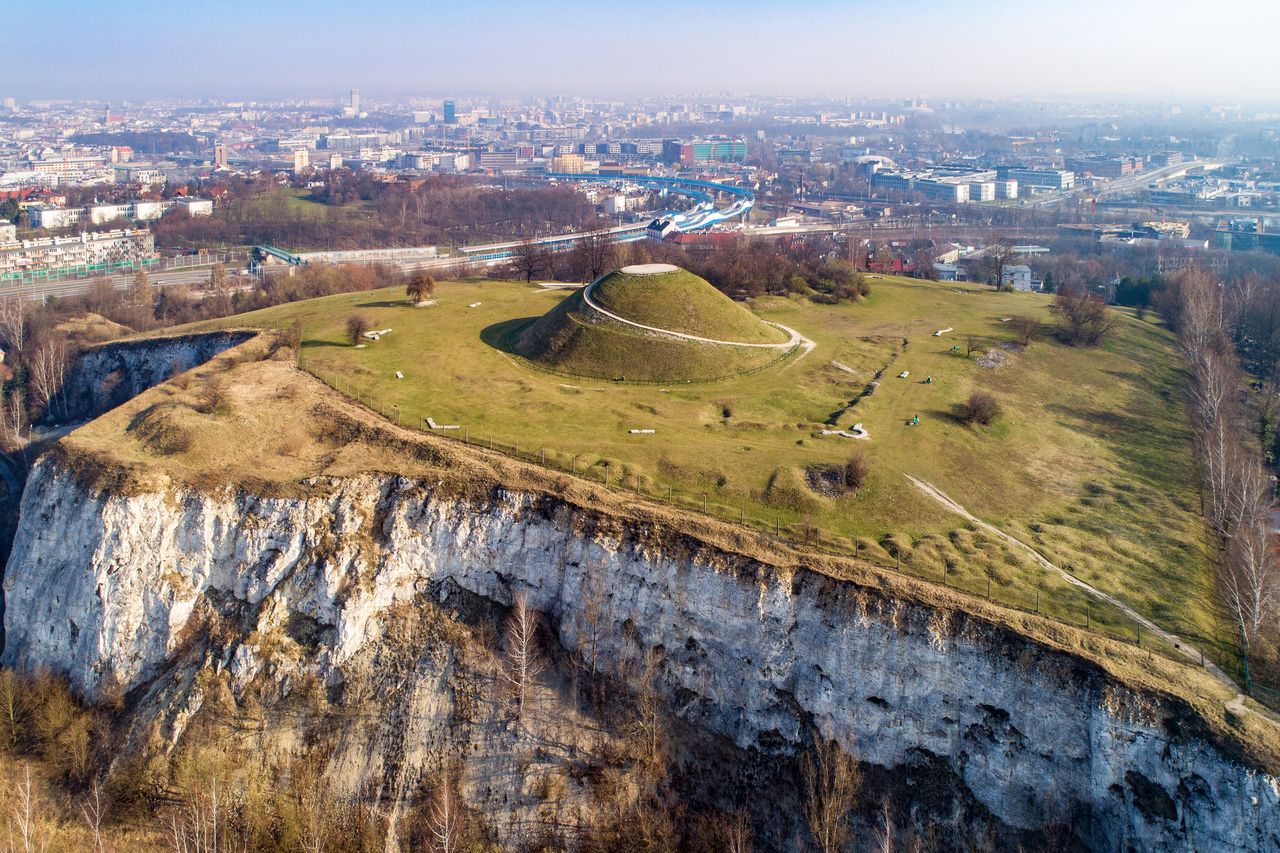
[1090,461]
[680,301]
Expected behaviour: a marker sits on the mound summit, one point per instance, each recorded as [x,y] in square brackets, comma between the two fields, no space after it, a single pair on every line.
[654,322]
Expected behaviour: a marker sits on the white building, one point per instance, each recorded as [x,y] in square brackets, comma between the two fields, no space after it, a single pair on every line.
[8,232]
[982,191]
[44,216]
[1018,276]
[145,211]
[1006,189]
[100,214]
[196,206]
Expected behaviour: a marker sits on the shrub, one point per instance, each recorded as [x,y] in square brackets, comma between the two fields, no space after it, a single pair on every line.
[357,325]
[420,286]
[213,396]
[1083,319]
[981,408]
[854,472]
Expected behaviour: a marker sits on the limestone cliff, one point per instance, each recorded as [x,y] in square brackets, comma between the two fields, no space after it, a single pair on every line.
[110,588]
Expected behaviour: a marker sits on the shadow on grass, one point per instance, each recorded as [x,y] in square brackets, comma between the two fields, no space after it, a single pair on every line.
[385,303]
[502,336]
[317,344]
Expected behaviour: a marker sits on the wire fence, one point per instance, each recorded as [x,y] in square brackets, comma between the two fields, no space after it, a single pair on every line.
[1050,597]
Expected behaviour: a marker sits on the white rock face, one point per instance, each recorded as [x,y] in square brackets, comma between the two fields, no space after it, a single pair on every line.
[101,587]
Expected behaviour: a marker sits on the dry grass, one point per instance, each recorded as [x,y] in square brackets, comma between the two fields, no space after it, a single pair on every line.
[314,432]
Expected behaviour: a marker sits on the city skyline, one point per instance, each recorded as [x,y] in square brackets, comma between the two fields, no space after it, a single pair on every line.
[999,49]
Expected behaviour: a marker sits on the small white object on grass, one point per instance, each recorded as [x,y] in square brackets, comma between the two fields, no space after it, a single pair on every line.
[431,423]
[643,431]
[904,374]
[474,305]
[360,346]
[399,375]
[942,332]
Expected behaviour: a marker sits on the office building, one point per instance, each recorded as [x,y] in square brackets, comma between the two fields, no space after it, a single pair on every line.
[355,102]
[568,164]
[1049,179]
[450,112]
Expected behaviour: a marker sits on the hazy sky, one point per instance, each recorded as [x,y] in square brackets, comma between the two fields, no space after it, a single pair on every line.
[236,48]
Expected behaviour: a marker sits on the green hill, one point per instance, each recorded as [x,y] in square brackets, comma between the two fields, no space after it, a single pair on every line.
[677,300]
[576,339]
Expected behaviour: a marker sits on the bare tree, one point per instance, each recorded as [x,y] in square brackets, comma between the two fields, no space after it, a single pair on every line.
[885,835]
[831,781]
[596,616]
[446,819]
[523,659]
[737,833]
[1213,381]
[142,293]
[594,254]
[357,325]
[13,320]
[1083,319]
[1026,327]
[24,816]
[47,373]
[92,809]
[529,260]
[13,422]
[971,345]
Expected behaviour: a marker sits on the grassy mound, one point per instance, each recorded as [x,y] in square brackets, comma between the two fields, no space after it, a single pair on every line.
[574,339]
[679,301]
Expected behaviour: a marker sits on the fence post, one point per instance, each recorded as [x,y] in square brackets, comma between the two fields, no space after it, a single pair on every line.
[704,502]
[988,587]
[1139,633]
[1087,608]
[1037,601]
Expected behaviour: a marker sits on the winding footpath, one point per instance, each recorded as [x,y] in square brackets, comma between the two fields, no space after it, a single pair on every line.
[1187,650]
[795,339]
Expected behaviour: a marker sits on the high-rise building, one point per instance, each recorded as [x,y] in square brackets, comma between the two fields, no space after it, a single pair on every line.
[355,102]
[301,160]
[450,112]
[219,155]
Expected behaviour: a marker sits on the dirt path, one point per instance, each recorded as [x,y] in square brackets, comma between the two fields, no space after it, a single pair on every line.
[1186,649]
[795,338]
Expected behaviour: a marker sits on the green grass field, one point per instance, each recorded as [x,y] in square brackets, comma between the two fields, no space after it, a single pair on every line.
[1090,461]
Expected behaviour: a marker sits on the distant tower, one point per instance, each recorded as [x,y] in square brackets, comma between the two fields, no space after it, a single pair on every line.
[301,160]
[450,112]
[355,102]
[219,155]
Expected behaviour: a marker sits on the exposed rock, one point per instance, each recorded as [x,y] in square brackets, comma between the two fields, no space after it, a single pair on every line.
[109,589]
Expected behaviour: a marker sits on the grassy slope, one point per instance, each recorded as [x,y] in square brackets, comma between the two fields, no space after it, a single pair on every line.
[1091,461]
[682,302]
[573,340]
[280,426]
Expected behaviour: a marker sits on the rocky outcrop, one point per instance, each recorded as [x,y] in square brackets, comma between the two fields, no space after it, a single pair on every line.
[108,589]
[107,375]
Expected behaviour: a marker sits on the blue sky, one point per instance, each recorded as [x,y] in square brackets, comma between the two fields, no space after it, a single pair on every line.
[233,48]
